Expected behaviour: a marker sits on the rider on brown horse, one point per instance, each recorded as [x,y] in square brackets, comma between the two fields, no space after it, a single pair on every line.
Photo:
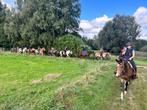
[127,54]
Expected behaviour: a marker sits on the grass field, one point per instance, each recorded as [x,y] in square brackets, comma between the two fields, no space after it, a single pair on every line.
[49,83]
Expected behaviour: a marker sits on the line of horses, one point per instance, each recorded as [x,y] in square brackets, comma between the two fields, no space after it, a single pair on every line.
[99,55]
[42,51]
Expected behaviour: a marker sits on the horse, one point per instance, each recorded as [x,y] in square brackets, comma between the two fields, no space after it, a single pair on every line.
[66,53]
[31,51]
[106,55]
[20,50]
[56,53]
[42,51]
[63,53]
[14,50]
[102,55]
[25,50]
[98,55]
[69,53]
[125,72]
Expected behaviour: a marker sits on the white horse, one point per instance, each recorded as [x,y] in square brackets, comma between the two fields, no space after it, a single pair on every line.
[20,50]
[66,53]
[62,53]
[25,50]
[69,53]
[36,51]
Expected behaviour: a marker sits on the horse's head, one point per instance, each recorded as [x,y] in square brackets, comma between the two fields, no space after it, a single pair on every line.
[119,67]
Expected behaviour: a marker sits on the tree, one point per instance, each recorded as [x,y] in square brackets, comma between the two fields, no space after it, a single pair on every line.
[72,42]
[118,32]
[93,43]
[139,43]
[39,22]
[3,39]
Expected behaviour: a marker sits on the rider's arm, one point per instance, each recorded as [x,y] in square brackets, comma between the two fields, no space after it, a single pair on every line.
[133,55]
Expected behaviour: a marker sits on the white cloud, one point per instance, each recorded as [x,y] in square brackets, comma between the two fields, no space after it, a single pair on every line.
[93,27]
[141,18]
[9,3]
[2,1]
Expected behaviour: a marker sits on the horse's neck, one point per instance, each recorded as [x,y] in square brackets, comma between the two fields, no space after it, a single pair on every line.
[127,67]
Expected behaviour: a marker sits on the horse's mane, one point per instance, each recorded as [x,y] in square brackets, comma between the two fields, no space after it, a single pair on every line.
[127,66]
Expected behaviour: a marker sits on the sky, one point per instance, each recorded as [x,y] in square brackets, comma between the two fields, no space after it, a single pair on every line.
[95,13]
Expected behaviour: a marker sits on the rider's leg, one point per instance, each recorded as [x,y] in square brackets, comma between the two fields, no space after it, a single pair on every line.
[134,65]
[135,68]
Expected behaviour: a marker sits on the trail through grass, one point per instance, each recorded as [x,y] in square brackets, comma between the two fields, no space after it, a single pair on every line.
[136,99]
[81,84]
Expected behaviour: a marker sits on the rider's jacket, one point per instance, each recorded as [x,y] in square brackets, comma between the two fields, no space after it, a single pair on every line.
[128,54]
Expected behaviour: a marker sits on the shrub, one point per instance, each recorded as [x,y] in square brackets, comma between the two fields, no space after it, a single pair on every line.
[72,42]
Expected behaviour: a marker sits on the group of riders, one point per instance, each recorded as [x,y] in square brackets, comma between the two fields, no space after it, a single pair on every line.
[127,54]
[126,68]
[42,51]
[84,53]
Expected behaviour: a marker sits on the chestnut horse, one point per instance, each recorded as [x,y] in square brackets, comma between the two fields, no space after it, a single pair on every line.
[125,72]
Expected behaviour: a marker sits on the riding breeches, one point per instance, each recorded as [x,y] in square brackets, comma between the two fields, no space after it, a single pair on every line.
[134,65]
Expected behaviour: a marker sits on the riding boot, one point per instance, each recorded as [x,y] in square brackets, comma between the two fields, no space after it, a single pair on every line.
[134,69]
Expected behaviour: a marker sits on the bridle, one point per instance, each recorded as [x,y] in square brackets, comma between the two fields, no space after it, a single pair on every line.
[123,68]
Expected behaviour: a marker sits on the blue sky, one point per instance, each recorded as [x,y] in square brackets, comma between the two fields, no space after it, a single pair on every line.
[94,8]
[95,13]
[91,9]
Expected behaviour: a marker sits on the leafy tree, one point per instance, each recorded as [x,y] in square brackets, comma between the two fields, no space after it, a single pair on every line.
[39,22]
[71,42]
[93,43]
[139,43]
[3,39]
[118,32]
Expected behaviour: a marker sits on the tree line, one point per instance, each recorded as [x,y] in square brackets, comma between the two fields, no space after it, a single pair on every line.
[55,23]
[40,22]
[116,33]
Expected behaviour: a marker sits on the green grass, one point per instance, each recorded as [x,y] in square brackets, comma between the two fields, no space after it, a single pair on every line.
[82,84]
[141,61]
[17,72]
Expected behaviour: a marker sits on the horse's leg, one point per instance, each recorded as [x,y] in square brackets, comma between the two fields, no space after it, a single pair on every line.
[129,81]
[125,87]
[122,90]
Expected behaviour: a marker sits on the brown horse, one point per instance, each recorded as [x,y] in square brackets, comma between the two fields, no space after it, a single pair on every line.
[42,51]
[103,55]
[106,55]
[125,72]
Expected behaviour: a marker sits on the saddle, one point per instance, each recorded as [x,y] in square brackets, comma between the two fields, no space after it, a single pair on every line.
[132,66]
[134,71]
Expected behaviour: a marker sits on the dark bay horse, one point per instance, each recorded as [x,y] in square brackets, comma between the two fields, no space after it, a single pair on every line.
[125,72]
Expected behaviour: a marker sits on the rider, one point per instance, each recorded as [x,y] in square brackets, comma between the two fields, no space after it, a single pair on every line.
[128,55]
[122,53]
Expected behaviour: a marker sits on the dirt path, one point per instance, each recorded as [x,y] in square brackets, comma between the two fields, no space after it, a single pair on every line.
[136,98]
